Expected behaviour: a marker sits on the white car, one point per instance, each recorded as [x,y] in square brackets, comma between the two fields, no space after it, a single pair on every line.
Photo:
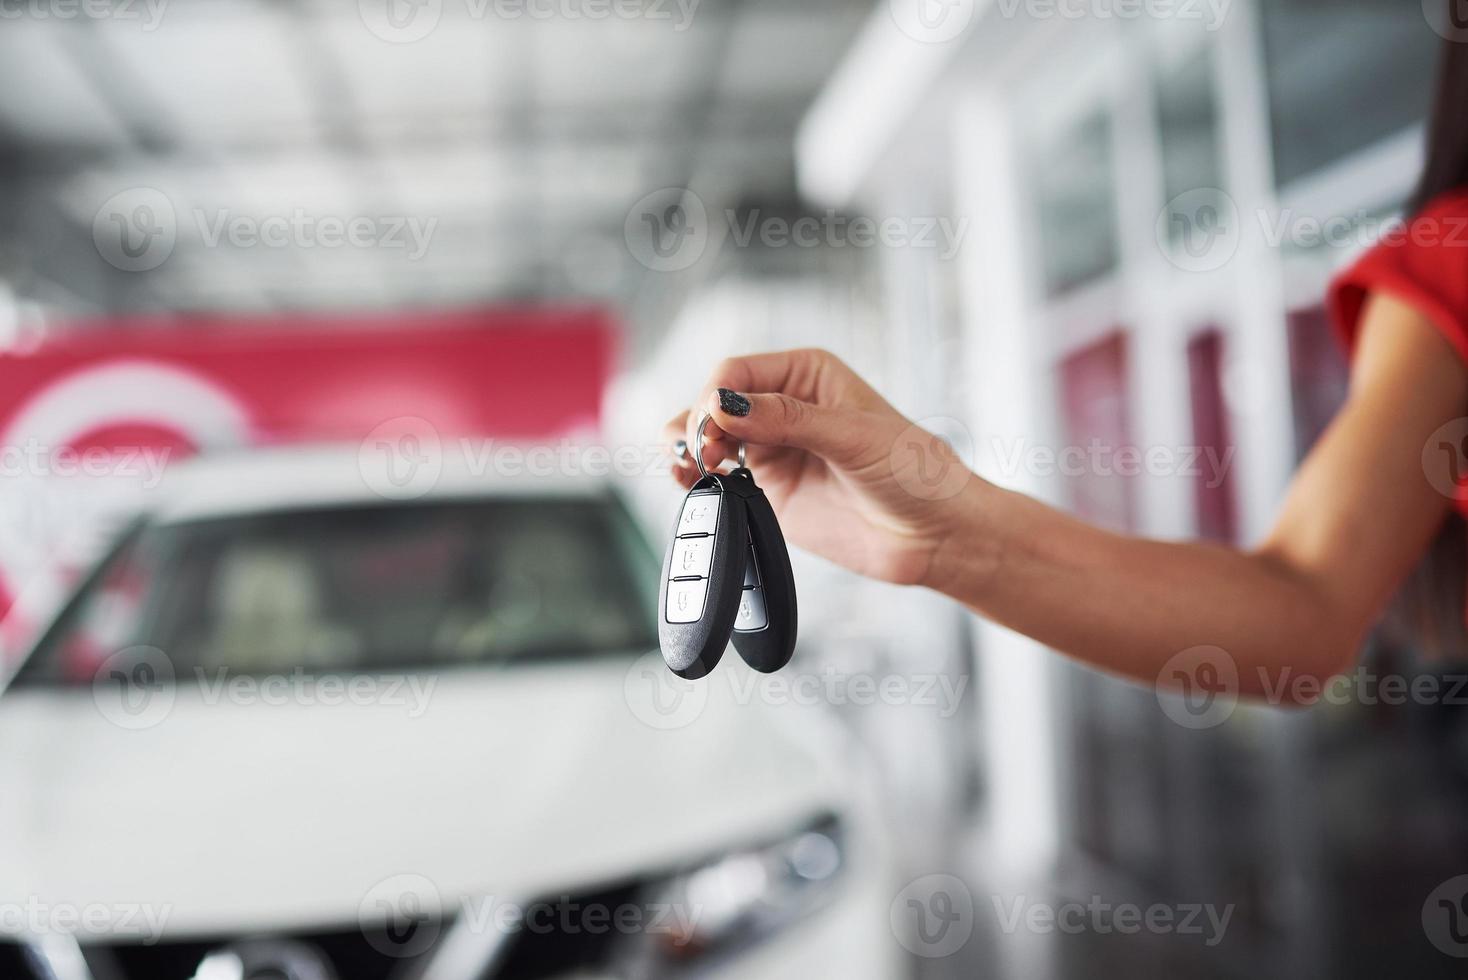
[293,729]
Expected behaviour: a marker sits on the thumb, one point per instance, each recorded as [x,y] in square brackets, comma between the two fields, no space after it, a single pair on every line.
[775,419]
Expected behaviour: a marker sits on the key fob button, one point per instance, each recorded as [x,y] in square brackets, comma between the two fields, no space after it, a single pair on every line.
[700,514]
[692,556]
[685,600]
[751,576]
[752,615]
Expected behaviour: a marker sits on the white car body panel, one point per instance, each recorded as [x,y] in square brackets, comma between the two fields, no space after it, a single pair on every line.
[242,817]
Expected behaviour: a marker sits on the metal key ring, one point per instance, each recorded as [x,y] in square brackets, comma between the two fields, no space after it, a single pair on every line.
[698,445]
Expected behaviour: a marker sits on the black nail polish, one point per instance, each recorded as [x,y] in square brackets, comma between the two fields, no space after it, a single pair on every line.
[733,402]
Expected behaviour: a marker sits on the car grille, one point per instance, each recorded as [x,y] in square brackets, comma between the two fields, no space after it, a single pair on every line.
[352,953]
[544,953]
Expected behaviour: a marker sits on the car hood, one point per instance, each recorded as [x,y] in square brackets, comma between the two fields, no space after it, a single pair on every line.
[242,813]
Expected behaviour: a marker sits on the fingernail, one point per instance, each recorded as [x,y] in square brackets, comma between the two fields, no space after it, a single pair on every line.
[680,450]
[733,402]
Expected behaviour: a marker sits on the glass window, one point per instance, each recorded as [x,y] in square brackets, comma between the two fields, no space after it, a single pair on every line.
[1343,75]
[351,589]
[1187,121]
[1074,181]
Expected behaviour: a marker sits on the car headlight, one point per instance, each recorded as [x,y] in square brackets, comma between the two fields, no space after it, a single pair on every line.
[747,895]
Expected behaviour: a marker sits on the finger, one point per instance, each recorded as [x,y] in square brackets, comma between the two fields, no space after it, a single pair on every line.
[841,435]
[686,476]
[809,374]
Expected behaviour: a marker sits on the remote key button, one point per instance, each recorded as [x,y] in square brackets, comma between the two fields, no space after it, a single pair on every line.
[685,600]
[752,614]
[700,514]
[692,556]
[751,577]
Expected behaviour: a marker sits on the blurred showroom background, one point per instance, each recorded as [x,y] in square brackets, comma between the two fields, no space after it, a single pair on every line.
[375,311]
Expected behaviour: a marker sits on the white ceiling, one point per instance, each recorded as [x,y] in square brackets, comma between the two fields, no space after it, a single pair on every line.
[523,141]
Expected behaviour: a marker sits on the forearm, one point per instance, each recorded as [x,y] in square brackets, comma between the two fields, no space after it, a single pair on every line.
[1127,605]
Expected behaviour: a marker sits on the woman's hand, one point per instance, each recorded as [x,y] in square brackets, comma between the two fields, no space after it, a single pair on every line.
[850,478]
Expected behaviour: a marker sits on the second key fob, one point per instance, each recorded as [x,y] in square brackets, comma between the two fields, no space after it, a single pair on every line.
[764,630]
[702,576]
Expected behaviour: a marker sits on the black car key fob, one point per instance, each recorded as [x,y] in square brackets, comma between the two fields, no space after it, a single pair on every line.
[764,630]
[703,576]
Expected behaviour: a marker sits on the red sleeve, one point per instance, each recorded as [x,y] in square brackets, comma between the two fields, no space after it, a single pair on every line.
[1424,264]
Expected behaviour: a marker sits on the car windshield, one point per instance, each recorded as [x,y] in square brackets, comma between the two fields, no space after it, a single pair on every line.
[391,587]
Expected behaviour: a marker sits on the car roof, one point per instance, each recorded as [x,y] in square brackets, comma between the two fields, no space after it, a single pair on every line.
[242,482]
